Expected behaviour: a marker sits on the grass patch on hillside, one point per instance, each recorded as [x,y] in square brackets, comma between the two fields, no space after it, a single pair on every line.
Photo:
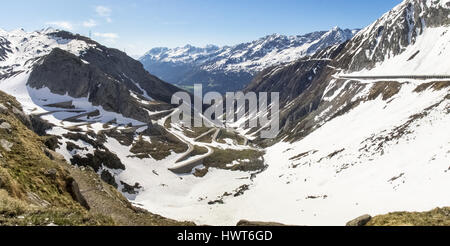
[206,139]
[29,167]
[33,187]
[436,217]
[15,212]
[198,150]
[224,134]
[195,132]
[160,147]
[249,160]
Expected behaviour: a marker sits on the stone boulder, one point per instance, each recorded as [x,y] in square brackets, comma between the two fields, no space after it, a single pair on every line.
[360,221]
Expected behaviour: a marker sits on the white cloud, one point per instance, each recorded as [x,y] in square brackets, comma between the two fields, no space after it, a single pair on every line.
[61,24]
[103,11]
[110,36]
[90,23]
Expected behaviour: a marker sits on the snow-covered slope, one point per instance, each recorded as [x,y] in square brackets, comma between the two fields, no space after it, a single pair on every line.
[382,156]
[217,67]
[361,146]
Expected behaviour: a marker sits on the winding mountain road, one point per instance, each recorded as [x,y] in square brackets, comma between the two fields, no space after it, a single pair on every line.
[186,166]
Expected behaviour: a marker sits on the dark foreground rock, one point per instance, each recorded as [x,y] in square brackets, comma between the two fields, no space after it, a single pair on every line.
[360,221]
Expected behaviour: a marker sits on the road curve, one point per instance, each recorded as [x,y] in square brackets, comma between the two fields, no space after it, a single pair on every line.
[204,134]
[188,165]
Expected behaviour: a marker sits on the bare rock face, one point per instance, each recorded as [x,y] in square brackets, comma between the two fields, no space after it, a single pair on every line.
[108,77]
[76,193]
[4,48]
[3,109]
[301,85]
[392,33]
[294,79]
[5,126]
[63,72]
[6,145]
[360,221]
[24,118]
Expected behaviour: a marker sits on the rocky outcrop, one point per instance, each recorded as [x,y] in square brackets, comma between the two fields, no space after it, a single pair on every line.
[98,159]
[74,190]
[360,221]
[64,73]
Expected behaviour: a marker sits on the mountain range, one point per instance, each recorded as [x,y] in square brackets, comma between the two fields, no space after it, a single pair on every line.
[231,68]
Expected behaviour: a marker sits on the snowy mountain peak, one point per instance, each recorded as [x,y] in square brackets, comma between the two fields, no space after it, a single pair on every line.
[336,28]
[253,56]
[49,30]
[232,67]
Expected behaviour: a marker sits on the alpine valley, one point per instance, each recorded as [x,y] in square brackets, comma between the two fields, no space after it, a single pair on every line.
[86,131]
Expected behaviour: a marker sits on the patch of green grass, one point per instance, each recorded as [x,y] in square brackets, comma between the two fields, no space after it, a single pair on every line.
[195,132]
[221,158]
[15,212]
[160,147]
[206,139]
[198,150]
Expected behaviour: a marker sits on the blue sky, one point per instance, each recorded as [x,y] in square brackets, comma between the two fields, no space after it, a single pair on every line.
[136,26]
